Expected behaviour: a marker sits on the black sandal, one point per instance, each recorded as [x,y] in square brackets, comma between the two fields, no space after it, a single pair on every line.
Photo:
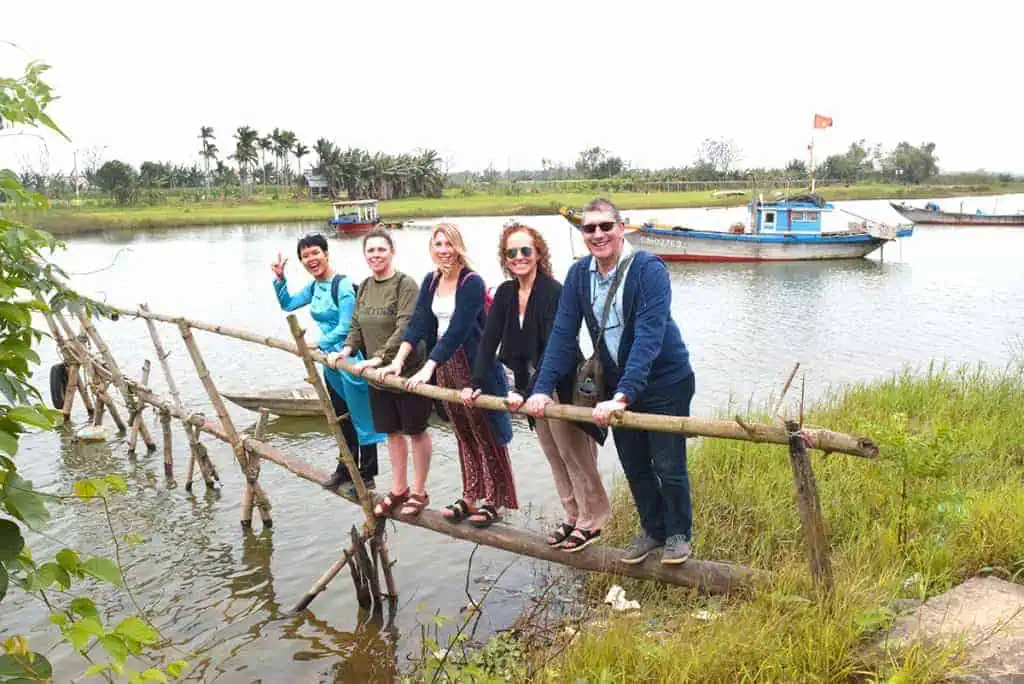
[580,539]
[490,516]
[459,509]
[560,534]
[386,506]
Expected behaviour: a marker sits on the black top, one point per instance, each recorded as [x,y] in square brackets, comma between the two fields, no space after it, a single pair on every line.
[522,347]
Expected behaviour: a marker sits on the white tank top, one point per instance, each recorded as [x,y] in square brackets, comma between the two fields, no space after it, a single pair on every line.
[443,308]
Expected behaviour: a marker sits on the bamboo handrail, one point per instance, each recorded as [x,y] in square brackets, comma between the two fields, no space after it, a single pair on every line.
[814,438]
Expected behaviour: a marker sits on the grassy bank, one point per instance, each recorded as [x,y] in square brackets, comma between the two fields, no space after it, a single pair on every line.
[70,221]
[943,503]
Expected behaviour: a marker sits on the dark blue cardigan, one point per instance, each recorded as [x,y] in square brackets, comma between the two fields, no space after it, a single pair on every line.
[652,358]
[464,331]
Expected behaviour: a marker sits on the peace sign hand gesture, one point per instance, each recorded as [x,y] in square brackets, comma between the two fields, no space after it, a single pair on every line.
[278,267]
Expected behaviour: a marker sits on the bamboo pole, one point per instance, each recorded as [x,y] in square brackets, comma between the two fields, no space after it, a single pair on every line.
[321,583]
[314,378]
[809,504]
[117,378]
[815,438]
[69,392]
[233,438]
[133,438]
[710,576]
[75,370]
[103,402]
[250,498]
[165,425]
[368,587]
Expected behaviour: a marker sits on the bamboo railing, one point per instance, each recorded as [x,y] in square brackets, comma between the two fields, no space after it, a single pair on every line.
[710,576]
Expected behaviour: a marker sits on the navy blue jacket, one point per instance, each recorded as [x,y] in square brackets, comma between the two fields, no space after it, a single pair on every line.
[652,358]
[464,331]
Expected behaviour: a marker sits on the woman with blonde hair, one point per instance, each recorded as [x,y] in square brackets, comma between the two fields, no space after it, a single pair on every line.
[520,320]
[449,316]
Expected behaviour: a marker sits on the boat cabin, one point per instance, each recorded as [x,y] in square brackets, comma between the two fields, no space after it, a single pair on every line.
[799,215]
[355,212]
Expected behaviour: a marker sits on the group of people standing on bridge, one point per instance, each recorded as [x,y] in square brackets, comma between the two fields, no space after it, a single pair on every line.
[449,331]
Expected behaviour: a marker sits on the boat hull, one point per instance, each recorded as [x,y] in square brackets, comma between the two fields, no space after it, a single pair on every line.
[279,402]
[719,247]
[351,228]
[957,219]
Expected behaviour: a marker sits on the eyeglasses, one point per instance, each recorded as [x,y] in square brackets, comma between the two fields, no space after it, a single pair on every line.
[590,228]
[511,252]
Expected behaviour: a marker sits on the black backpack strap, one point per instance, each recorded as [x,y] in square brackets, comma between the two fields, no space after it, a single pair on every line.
[334,290]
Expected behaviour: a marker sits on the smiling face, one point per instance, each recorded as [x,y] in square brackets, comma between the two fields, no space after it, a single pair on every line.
[445,256]
[606,233]
[378,255]
[315,261]
[520,264]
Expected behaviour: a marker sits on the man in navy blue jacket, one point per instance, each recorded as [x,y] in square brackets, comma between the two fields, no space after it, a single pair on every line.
[646,366]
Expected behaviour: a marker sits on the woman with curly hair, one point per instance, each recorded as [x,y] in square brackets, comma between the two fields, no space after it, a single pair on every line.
[520,319]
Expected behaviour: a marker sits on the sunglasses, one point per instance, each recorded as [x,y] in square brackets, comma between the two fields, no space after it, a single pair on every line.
[605,227]
[511,252]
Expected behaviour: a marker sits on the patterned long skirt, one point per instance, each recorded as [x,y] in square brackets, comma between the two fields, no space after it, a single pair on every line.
[486,468]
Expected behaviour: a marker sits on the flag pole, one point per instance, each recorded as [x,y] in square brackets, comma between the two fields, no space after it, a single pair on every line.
[810,169]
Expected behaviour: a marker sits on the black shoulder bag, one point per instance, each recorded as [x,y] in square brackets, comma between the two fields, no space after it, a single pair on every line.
[589,386]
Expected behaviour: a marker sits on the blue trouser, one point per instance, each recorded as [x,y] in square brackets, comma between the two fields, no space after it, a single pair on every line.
[356,394]
[655,466]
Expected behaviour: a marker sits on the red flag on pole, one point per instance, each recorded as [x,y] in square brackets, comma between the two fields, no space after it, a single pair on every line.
[822,121]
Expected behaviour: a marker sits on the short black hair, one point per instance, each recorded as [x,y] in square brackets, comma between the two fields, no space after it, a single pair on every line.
[311,240]
[379,233]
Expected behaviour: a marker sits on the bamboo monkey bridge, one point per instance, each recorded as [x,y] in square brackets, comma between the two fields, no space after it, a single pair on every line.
[367,554]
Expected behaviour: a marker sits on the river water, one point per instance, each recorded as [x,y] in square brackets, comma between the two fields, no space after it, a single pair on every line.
[947,293]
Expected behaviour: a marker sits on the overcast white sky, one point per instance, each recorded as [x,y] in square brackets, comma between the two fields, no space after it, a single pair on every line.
[509,83]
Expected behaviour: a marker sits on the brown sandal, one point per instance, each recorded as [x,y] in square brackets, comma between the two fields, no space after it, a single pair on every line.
[415,504]
[386,506]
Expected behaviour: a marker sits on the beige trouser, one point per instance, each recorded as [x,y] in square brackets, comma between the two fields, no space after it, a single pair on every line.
[573,458]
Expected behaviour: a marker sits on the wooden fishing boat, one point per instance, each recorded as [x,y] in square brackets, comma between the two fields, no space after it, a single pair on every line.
[787,229]
[931,213]
[280,402]
[359,216]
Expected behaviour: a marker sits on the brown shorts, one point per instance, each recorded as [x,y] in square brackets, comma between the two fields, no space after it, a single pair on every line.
[399,411]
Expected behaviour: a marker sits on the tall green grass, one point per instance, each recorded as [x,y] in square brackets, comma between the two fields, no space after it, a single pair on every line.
[943,502]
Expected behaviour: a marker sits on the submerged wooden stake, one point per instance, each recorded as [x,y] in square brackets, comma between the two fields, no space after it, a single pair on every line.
[314,378]
[321,583]
[69,392]
[133,437]
[253,494]
[807,501]
[165,425]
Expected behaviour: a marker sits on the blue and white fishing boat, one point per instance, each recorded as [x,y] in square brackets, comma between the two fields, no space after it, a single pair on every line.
[786,229]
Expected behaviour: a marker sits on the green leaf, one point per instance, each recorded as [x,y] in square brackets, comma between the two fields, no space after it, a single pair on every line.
[177,668]
[86,489]
[29,416]
[34,667]
[4,582]
[114,646]
[154,675]
[95,669]
[134,647]
[90,626]
[11,541]
[47,574]
[8,442]
[135,628]
[85,607]
[116,483]
[24,503]
[68,560]
[104,569]
[77,637]
[60,619]
[133,539]
[15,313]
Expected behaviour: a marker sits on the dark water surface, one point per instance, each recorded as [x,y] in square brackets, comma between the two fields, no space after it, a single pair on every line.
[947,293]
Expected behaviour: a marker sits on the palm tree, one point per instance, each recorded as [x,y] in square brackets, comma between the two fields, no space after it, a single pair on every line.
[275,137]
[300,151]
[266,144]
[245,149]
[206,135]
[287,140]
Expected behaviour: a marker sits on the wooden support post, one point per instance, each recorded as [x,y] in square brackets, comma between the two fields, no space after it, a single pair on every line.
[253,494]
[134,436]
[198,454]
[809,504]
[69,392]
[321,584]
[118,380]
[313,378]
[363,576]
[241,455]
[380,548]
[165,424]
